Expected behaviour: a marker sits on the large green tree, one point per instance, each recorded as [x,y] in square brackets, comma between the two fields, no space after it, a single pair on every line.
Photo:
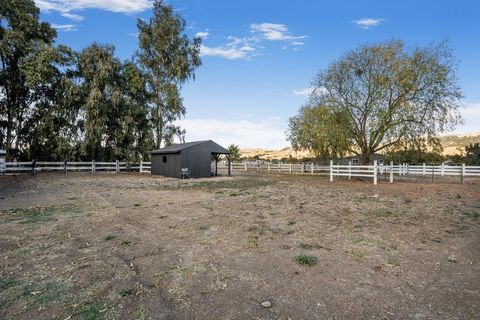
[380,97]
[21,36]
[169,59]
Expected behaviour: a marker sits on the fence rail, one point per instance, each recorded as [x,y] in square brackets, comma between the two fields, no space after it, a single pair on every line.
[332,170]
[367,171]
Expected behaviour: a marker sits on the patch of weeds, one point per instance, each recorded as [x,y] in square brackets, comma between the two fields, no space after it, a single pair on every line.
[203,228]
[36,214]
[306,260]
[91,310]
[458,196]
[307,246]
[357,254]
[25,250]
[137,205]
[8,283]
[381,212]
[109,237]
[233,194]
[473,215]
[436,240]
[451,259]
[392,261]
[125,243]
[126,292]
[252,241]
[291,222]
[45,293]
[407,201]
[358,226]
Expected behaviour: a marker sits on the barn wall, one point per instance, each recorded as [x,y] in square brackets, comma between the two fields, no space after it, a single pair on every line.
[198,160]
[169,169]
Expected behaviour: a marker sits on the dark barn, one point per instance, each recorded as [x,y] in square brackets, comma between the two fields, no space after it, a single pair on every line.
[195,156]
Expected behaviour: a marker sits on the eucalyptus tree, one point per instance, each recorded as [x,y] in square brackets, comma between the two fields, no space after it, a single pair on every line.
[102,97]
[169,58]
[380,97]
[21,35]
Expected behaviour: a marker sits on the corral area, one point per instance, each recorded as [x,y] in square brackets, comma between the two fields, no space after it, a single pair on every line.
[131,246]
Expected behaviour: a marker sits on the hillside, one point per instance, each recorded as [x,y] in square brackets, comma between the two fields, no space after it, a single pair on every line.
[452,144]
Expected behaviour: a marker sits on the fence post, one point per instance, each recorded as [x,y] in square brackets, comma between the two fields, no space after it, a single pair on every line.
[268,166]
[93,166]
[443,169]
[290,168]
[34,162]
[423,172]
[303,167]
[408,168]
[311,168]
[117,166]
[349,170]
[331,170]
[64,166]
[391,171]
[141,166]
[230,167]
[246,166]
[463,173]
[375,172]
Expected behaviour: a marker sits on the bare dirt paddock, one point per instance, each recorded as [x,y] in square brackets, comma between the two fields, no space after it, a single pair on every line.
[130,246]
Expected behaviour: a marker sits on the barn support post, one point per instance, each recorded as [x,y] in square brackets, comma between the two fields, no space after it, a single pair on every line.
[229,166]
[391,171]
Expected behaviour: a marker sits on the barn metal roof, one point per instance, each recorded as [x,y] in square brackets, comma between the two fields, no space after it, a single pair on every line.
[178,147]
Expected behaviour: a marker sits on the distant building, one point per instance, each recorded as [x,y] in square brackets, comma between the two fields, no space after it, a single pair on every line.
[195,156]
[357,159]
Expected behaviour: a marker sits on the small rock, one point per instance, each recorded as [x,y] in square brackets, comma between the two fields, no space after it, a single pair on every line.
[266,304]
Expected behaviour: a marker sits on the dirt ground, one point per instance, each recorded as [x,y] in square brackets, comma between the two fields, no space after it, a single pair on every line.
[131,246]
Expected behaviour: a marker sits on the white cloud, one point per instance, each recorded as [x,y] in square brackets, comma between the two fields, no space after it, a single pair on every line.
[308,91]
[267,133]
[471,116]
[228,52]
[72,16]
[203,34]
[64,27]
[367,23]
[66,7]
[273,31]
[249,46]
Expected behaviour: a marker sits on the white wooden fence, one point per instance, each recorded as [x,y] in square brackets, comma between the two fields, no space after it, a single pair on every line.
[348,171]
[65,166]
[332,170]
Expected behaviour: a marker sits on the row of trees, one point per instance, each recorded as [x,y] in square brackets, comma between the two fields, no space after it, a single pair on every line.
[56,103]
[380,98]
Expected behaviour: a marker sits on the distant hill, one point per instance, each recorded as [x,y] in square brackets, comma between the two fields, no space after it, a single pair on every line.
[455,144]
[452,144]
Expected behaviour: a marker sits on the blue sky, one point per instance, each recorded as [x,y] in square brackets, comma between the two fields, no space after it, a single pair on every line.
[259,57]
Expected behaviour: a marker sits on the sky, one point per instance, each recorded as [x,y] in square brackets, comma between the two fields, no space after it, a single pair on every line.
[259,57]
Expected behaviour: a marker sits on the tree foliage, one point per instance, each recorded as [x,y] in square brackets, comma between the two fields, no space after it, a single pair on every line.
[383,97]
[234,151]
[169,58]
[58,104]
